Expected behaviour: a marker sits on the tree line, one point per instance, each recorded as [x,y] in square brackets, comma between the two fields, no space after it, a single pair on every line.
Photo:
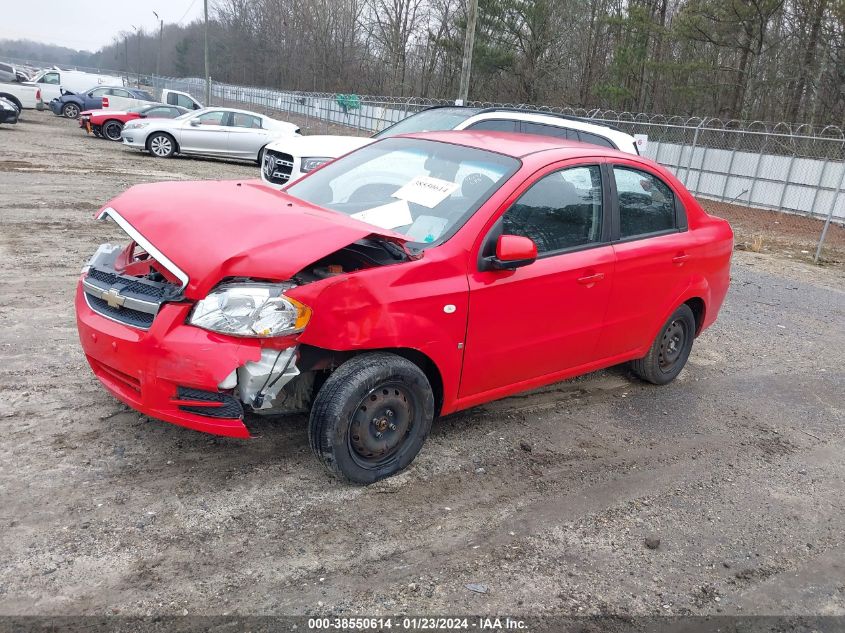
[743,59]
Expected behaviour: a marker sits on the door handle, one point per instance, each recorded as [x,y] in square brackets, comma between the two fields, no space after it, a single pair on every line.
[680,258]
[589,280]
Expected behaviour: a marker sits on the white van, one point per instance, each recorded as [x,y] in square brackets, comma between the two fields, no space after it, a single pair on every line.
[53,80]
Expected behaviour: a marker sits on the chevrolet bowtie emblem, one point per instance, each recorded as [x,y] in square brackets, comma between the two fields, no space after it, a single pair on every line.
[114,298]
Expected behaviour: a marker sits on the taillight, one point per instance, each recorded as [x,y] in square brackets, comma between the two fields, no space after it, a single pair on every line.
[105,102]
[38,95]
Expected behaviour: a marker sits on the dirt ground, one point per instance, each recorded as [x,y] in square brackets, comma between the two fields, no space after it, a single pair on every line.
[541,503]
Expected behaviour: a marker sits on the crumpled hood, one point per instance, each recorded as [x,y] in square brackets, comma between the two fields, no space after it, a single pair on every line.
[325,146]
[217,229]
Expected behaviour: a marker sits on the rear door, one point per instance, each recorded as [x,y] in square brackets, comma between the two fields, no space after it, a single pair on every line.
[653,256]
[206,133]
[246,135]
[546,317]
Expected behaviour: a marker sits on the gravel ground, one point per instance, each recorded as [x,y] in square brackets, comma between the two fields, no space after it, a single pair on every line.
[545,503]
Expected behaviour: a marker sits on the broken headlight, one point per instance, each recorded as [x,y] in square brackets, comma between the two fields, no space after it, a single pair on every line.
[251,309]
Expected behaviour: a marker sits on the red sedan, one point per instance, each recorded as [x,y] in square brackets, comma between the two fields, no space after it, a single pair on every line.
[109,123]
[417,276]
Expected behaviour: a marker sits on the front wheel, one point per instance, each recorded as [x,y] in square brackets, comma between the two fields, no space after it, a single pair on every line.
[161,145]
[71,111]
[371,417]
[670,350]
[112,130]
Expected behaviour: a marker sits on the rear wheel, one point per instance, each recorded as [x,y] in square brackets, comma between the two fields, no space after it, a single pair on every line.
[371,417]
[112,130]
[161,145]
[670,350]
[70,110]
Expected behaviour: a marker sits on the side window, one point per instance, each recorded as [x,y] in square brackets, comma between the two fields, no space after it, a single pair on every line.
[155,113]
[561,210]
[494,125]
[646,204]
[118,92]
[100,92]
[172,99]
[217,117]
[245,120]
[182,100]
[50,78]
[539,129]
[595,139]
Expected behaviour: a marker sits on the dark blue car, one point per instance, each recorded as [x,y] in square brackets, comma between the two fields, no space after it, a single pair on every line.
[70,104]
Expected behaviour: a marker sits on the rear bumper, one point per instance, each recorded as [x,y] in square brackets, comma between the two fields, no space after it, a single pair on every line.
[160,371]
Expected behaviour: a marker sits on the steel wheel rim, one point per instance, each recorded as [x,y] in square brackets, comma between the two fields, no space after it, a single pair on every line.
[160,146]
[672,343]
[112,126]
[381,424]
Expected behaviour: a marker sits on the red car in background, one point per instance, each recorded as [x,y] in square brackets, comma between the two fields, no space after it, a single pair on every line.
[414,277]
[109,123]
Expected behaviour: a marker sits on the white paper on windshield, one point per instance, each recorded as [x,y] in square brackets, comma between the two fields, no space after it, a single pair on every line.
[387,216]
[426,228]
[426,191]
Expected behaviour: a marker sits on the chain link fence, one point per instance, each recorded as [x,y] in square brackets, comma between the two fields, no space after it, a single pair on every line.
[782,186]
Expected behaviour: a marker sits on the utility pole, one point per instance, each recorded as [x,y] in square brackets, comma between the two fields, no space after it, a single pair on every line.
[126,53]
[160,36]
[469,42]
[207,75]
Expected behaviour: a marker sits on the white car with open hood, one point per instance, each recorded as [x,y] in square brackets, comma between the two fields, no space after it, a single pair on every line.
[216,132]
[290,159]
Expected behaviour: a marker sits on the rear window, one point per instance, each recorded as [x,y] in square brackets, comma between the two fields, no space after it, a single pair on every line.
[433,120]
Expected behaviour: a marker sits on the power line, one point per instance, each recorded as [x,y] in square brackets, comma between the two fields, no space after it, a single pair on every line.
[187,11]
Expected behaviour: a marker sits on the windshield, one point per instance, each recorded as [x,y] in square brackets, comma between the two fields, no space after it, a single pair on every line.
[433,120]
[422,189]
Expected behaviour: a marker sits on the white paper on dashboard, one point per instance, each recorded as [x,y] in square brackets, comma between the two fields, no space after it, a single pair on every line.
[387,216]
[427,191]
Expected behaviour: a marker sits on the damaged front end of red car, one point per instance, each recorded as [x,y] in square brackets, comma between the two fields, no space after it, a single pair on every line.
[192,322]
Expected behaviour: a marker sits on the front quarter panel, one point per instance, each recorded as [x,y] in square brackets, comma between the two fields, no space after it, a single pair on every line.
[420,305]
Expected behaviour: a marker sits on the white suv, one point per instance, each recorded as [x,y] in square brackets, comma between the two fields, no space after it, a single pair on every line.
[289,159]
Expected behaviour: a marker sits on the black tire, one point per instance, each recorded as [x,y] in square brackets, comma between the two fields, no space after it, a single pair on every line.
[112,129]
[161,145]
[260,159]
[670,350]
[70,111]
[371,417]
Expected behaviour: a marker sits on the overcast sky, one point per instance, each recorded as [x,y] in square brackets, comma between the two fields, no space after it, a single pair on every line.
[87,24]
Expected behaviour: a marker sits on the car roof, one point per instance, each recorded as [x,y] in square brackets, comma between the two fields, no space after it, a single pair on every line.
[476,111]
[514,144]
[221,109]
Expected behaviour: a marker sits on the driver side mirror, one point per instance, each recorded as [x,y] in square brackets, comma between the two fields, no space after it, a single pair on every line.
[195,123]
[512,252]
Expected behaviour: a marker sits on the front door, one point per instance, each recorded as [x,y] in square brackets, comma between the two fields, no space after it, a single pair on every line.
[206,133]
[546,317]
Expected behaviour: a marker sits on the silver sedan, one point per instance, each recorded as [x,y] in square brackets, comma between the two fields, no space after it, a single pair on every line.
[220,132]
